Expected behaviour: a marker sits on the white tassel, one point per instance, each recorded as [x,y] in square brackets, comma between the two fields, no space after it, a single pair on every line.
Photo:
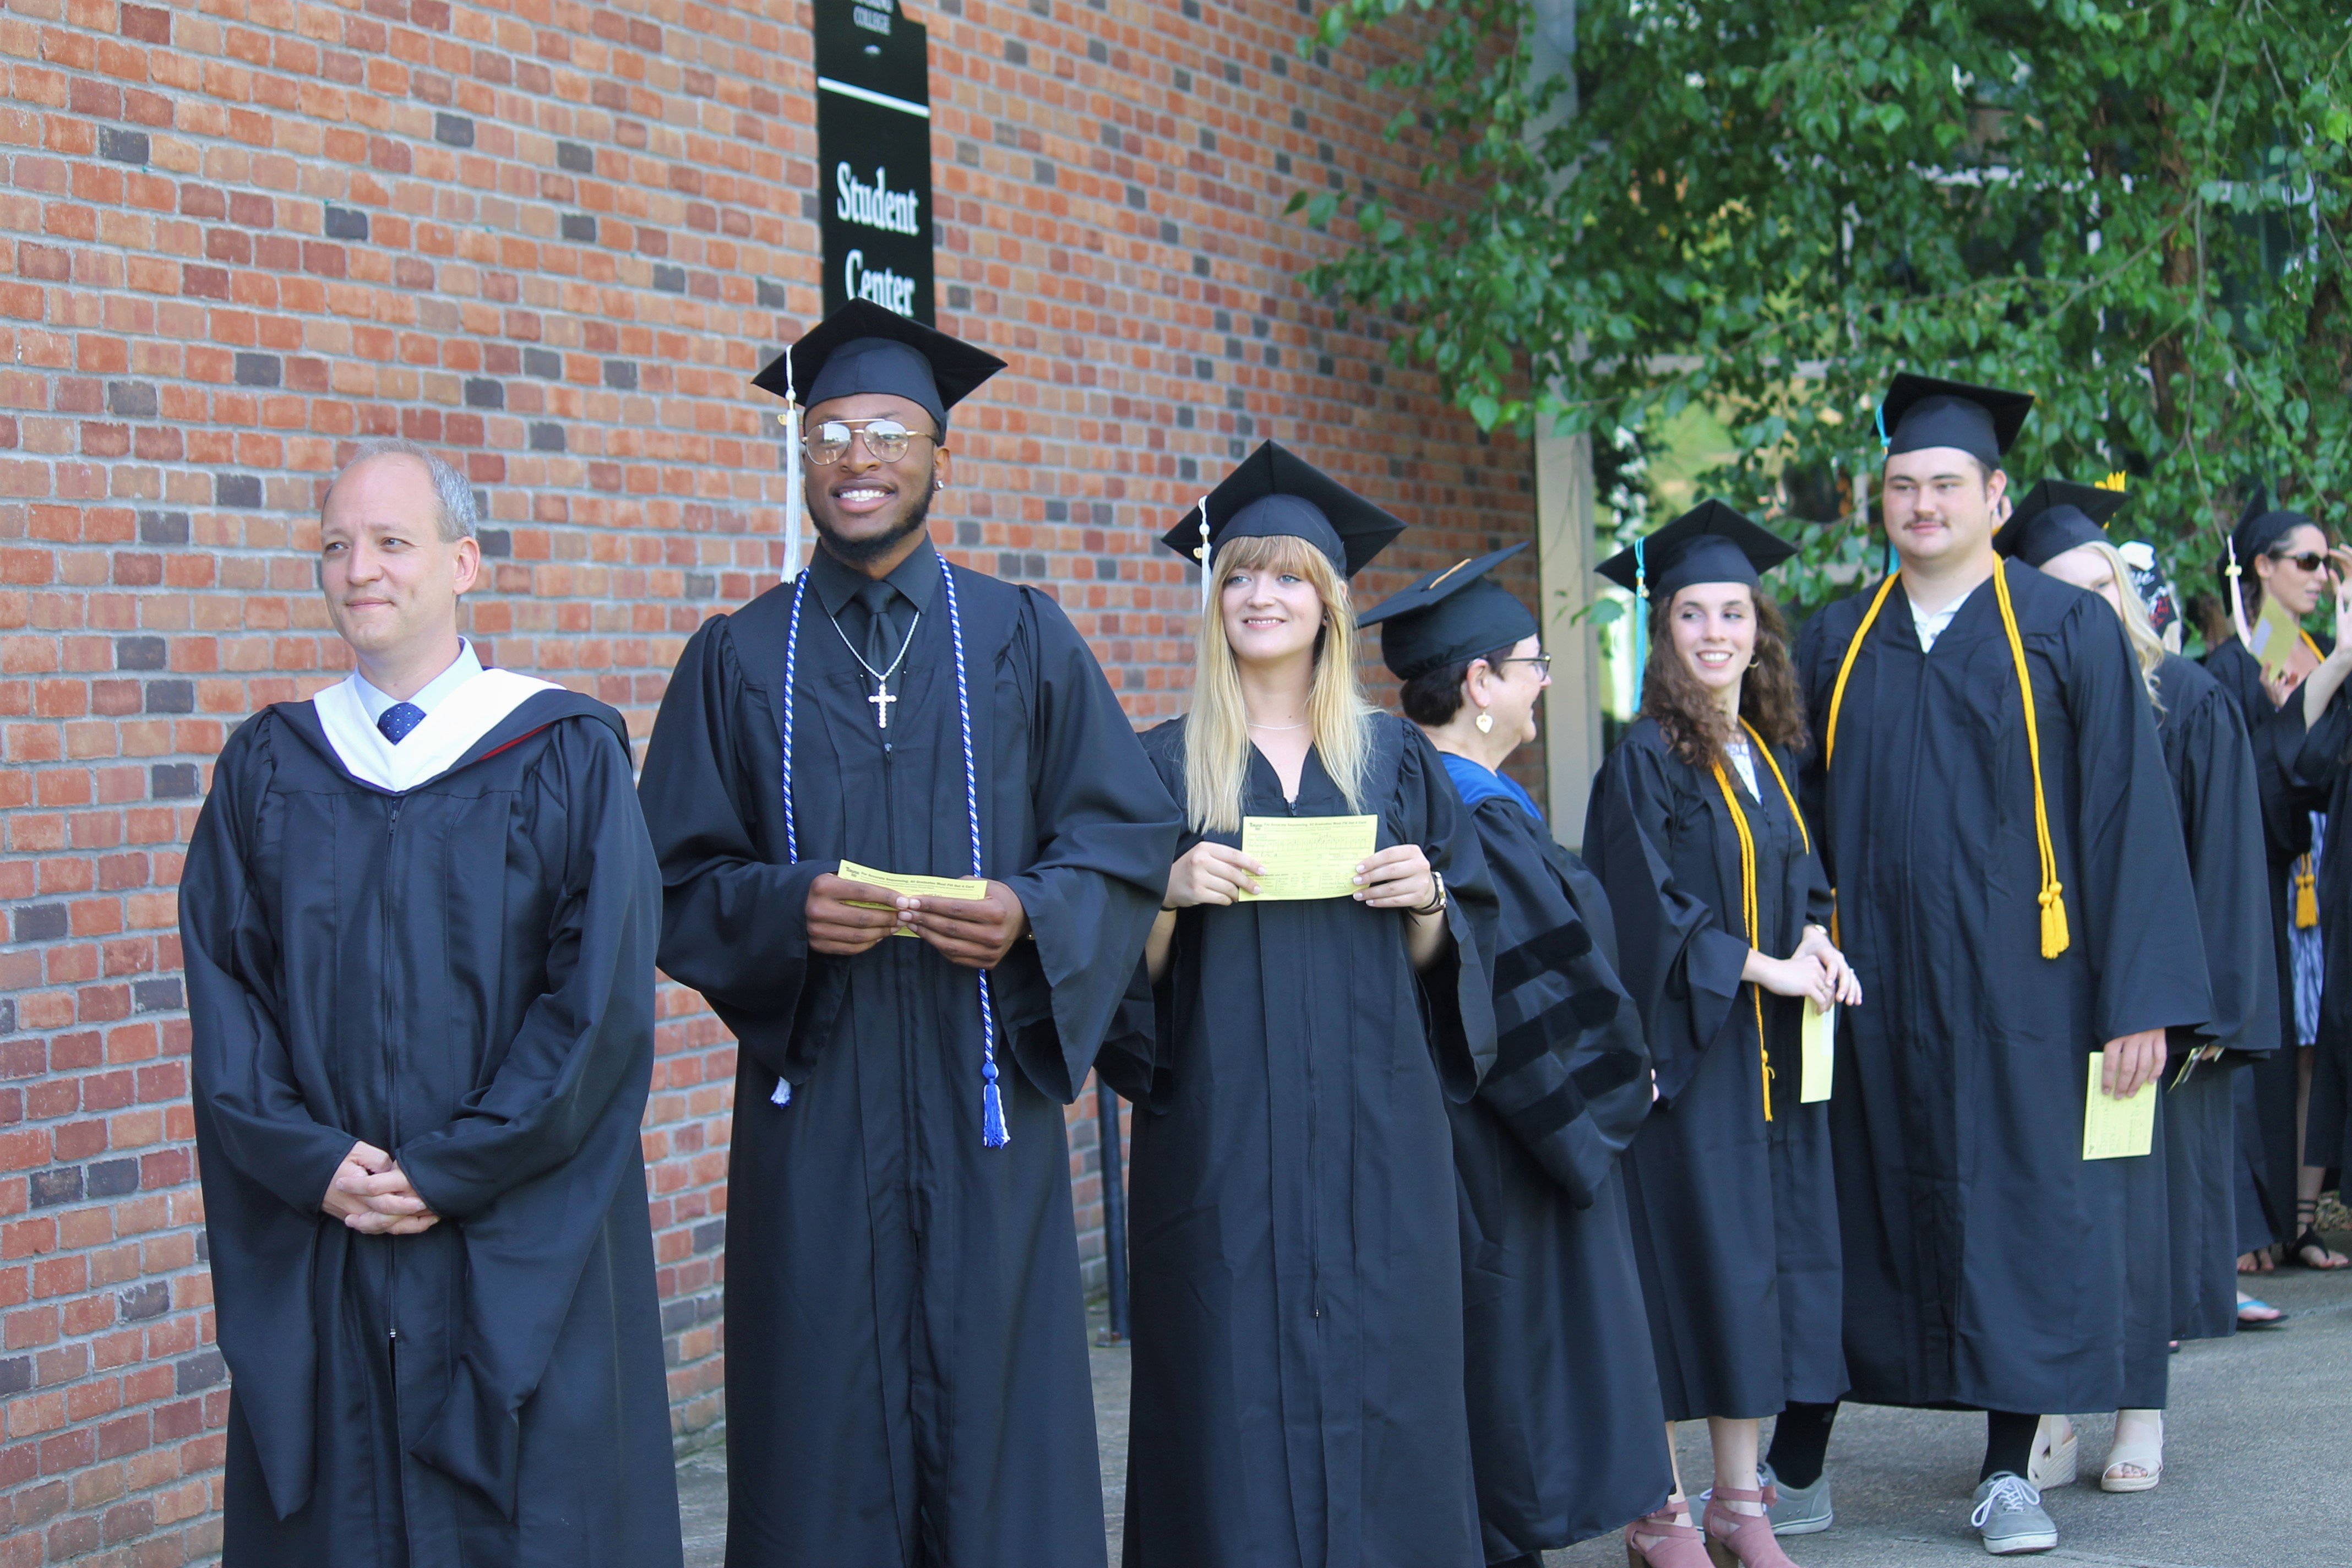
[790,420]
[1202,555]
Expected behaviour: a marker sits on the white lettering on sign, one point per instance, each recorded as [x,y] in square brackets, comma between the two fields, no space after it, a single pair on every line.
[879,284]
[875,206]
[872,20]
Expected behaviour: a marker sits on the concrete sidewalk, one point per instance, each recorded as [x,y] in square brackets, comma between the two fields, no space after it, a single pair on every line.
[2259,1427]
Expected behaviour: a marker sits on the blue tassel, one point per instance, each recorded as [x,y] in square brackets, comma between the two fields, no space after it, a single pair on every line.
[992,1111]
[782,1095]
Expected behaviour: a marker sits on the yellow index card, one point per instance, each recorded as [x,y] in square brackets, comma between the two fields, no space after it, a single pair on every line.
[2275,636]
[1818,1047]
[908,887]
[2117,1129]
[1307,857]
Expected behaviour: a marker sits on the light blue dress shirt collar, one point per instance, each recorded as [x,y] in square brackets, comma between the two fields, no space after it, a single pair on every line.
[436,690]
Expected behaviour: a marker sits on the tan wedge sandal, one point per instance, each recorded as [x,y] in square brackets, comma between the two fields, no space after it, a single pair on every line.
[2143,1453]
[2056,1457]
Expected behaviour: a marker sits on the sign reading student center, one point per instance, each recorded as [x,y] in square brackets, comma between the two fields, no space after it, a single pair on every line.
[874,156]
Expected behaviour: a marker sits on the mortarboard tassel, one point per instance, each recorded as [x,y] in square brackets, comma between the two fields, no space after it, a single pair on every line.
[2306,894]
[2237,596]
[1201,553]
[790,420]
[1641,637]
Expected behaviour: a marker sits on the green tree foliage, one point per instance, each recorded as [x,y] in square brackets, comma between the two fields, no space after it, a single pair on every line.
[2138,211]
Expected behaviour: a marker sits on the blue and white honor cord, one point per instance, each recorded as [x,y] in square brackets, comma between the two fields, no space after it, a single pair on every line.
[993,1132]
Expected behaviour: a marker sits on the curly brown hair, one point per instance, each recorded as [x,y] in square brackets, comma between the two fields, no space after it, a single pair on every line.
[1685,712]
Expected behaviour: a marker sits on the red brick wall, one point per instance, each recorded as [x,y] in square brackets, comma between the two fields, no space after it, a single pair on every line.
[553,241]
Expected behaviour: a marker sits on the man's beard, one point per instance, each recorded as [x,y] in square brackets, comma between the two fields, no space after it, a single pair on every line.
[861,551]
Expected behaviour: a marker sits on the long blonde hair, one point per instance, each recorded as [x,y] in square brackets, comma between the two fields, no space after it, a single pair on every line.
[2146,645]
[1216,732]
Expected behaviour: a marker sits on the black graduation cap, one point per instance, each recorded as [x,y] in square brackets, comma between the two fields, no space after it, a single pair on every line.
[1457,614]
[1276,492]
[1920,411]
[2262,525]
[2054,517]
[863,347]
[1709,544]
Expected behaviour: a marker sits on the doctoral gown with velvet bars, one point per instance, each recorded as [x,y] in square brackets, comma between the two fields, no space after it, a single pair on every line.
[1735,1213]
[907,1377]
[1984,1255]
[2326,761]
[2213,781]
[2266,1090]
[1296,1260]
[1565,1418]
[462,975]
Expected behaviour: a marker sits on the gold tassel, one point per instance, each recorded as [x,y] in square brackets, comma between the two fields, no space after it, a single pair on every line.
[2307,894]
[2054,937]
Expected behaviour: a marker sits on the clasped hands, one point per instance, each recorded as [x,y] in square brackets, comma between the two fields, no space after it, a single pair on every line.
[974,933]
[1398,878]
[371,1195]
[1817,972]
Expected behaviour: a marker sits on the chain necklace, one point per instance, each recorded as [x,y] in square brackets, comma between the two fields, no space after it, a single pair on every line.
[882,698]
[1300,726]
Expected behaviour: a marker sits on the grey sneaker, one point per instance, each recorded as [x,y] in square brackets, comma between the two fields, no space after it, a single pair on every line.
[1799,1510]
[2009,1516]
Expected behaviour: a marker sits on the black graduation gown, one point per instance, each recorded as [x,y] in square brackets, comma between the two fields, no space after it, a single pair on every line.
[2325,761]
[462,975]
[1565,1420]
[2213,780]
[1735,1215]
[1294,1254]
[1984,1255]
[907,1375]
[2266,1092]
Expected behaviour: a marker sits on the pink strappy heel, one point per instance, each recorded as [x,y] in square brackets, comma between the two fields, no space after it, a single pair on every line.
[1668,1545]
[1737,1540]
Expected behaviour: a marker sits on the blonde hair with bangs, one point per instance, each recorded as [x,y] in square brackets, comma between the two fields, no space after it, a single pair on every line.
[2146,645]
[1216,732]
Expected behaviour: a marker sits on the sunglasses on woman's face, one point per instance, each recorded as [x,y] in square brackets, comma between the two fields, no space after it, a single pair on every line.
[2309,560]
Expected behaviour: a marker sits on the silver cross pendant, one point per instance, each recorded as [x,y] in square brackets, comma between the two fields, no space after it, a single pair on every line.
[882,701]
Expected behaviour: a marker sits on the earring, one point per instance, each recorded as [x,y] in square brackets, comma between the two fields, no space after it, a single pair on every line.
[1486,723]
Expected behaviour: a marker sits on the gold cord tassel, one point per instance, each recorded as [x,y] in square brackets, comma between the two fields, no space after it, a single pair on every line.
[2056,938]
[2306,894]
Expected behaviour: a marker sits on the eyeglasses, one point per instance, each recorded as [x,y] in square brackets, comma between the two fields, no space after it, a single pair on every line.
[886,439]
[2309,560]
[1542,661]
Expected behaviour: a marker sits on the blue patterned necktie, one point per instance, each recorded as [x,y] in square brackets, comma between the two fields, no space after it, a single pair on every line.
[398,720]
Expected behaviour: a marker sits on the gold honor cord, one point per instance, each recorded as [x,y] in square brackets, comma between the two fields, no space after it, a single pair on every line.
[1845,666]
[1837,702]
[1765,752]
[2054,937]
[1748,912]
[2306,877]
